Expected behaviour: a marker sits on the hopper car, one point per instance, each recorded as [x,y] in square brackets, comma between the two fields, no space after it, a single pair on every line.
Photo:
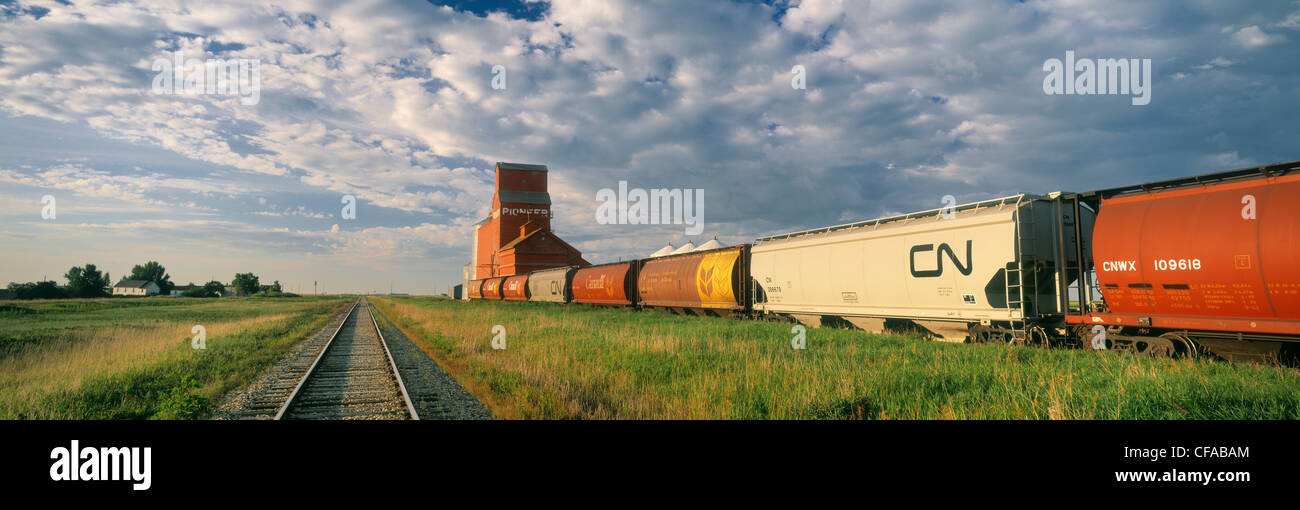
[474,289]
[709,282]
[551,285]
[492,287]
[1210,262]
[605,284]
[515,288]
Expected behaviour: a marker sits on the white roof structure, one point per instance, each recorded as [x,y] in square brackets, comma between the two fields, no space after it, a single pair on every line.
[685,248]
[710,244]
[666,250]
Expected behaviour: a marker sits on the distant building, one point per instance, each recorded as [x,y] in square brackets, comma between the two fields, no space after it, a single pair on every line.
[711,244]
[516,236]
[455,292]
[666,250]
[135,288]
[177,290]
[467,274]
[228,291]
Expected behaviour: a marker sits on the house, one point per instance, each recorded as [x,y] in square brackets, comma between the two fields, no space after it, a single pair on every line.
[135,288]
[177,290]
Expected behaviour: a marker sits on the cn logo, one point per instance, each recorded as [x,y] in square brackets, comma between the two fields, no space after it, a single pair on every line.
[938,255]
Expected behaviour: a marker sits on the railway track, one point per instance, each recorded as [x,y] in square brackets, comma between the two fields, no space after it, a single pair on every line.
[353,377]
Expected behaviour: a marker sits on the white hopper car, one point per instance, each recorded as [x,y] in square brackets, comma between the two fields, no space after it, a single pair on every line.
[1000,269]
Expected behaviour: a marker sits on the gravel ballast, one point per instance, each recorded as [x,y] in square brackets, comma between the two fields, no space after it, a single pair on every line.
[435,394]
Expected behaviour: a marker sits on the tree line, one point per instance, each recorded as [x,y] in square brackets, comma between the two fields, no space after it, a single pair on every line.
[88,282]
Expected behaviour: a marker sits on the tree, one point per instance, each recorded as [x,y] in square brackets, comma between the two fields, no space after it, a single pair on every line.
[275,286]
[213,289]
[246,284]
[152,271]
[87,282]
[38,290]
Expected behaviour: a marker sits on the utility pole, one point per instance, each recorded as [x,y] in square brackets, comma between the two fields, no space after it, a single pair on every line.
[313,288]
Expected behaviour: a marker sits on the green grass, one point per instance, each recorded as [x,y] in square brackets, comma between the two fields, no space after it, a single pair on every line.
[132,359]
[573,361]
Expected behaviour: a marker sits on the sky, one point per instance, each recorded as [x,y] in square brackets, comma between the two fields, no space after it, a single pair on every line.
[393,103]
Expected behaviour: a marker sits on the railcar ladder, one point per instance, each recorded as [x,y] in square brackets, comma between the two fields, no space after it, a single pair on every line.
[1026,251]
[1074,234]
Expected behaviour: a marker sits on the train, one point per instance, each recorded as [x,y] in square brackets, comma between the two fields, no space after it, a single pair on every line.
[1203,265]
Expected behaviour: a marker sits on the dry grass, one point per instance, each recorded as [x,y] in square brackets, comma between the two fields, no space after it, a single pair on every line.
[582,362]
[35,372]
[131,358]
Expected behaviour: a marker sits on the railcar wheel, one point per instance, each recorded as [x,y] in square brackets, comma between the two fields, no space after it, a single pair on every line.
[1082,337]
[1183,346]
[1159,347]
[1036,335]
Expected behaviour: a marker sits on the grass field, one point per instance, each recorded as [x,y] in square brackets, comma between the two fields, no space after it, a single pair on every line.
[574,361]
[131,358]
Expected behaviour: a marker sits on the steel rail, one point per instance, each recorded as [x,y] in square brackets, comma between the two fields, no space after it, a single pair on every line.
[396,373]
[302,382]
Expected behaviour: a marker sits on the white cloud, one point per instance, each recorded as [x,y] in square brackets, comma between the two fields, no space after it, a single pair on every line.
[81,180]
[1253,37]
[1216,62]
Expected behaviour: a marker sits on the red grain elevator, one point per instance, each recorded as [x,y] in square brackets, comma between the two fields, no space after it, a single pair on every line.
[516,236]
